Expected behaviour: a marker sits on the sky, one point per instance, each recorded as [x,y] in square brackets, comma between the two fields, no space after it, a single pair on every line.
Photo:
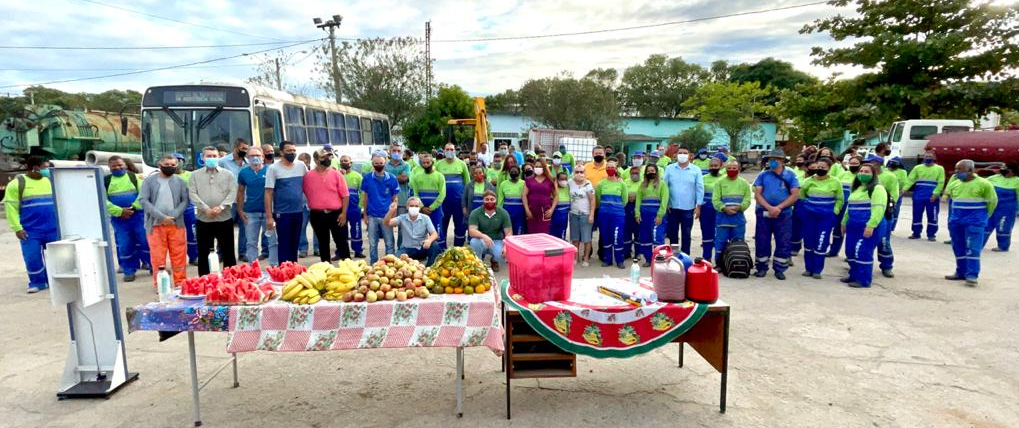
[481,68]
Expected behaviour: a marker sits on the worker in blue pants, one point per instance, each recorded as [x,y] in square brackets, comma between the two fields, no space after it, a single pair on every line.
[630,231]
[1006,185]
[189,214]
[847,177]
[776,190]
[457,175]
[707,218]
[561,215]
[430,186]
[927,181]
[127,218]
[32,215]
[610,195]
[973,200]
[865,225]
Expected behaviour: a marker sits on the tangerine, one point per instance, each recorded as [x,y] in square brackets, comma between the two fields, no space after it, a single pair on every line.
[458,290]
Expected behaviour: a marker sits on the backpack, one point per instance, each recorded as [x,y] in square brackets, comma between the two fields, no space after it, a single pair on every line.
[736,260]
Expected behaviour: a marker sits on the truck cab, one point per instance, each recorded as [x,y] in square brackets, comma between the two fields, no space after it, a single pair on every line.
[909,137]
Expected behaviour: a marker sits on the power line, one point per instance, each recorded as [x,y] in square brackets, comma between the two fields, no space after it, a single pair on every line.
[150,15]
[636,27]
[129,73]
[112,48]
[116,69]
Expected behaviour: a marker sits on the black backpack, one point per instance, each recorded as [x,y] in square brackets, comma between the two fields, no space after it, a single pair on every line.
[736,260]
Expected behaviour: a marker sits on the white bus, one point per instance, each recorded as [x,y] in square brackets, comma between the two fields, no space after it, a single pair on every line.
[185,118]
[909,137]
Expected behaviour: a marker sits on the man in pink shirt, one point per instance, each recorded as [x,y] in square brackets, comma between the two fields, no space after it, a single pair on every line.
[327,195]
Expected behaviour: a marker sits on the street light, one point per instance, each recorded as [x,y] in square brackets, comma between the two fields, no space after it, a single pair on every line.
[330,26]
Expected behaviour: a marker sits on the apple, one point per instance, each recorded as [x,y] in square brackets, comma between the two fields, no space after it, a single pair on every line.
[401,296]
[348,296]
[358,297]
[390,295]
[384,280]
[385,288]
[374,286]
[371,297]
[362,289]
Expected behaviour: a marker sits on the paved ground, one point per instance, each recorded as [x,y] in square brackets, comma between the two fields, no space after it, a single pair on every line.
[914,351]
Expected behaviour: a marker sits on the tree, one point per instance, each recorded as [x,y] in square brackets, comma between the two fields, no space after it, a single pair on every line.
[115,101]
[695,138]
[926,59]
[659,86]
[563,102]
[770,73]
[383,75]
[731,107]
[504,102]
[44,95]
[607,77]
[720,71]
[427,130]
[271,70]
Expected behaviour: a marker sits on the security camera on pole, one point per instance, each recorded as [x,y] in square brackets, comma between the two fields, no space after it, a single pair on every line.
[331,26]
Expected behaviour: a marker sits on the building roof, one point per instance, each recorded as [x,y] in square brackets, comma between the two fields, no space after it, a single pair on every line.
[639,137]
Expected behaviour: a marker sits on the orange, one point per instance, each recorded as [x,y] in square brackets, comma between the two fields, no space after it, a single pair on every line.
[480,289]
[458,290]
[469,290]
[448,290]
[444,282]
[445,273]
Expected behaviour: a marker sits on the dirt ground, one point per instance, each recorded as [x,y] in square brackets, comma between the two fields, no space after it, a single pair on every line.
[913,351]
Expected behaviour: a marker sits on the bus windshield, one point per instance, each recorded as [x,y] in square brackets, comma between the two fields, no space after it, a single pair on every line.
[187,131]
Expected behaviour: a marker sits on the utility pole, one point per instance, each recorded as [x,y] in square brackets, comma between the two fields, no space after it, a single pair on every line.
[428,60]
[279,79]
[330,26]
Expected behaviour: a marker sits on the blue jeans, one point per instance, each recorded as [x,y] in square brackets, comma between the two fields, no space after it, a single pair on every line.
[428,255]
[288,226]
[302,246]
[481,250]
[679,219]
[242,237]
[256,227]
[377,230]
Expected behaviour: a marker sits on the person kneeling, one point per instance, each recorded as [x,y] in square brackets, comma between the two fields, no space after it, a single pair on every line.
[417,232]
[487,226]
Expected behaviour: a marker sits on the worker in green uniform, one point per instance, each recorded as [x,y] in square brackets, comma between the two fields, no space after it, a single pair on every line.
[1006,185]
[707,219]
[568,161]
[847,179]
[890,182]
[633,181]
[652,204]
[429,186]
[457,175]
[796,238]
[561,215]
[973,201]
[894,165]
[863,225]
[730,197]
[927,181]
[702,160]
[492,171]
[823,199]
[610,197]
[127,217]
[354,179]
[510,197]
[32,215]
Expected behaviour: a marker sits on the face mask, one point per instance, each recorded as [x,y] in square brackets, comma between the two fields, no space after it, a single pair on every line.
[489,205]
[714,171]
[562,150]
[167,170]
[325,162]
[396,157]
[528,172]
[637,162]
[683,158]
[731,173]
[599,158]
[44,172]
[539,171]
[450,154]
[556,161]
[413,211]
[345,166]
[290,157]
[772,164]
[243,154]
[928,161]
[611,172]
[212,163]
[650,176]
[514,175]
[578,177]
[256,161]
[821,172]
[563,183]
[634,177]
[865,178]
[702,156]
[479,177]
[800,164]
[497,165]
[379,168]
[962,175]
[118,173]
[854,169]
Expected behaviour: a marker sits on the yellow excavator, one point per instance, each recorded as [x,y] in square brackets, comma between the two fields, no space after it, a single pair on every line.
[457,133]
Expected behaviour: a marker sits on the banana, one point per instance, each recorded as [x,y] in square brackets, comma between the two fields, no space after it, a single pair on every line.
[303,281]
[292,293]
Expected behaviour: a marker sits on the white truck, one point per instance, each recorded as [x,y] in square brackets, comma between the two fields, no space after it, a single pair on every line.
[909,137]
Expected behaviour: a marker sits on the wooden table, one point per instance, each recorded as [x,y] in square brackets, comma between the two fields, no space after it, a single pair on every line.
[530,356]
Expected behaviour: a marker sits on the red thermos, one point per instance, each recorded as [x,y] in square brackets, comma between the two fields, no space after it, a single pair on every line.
[702,282]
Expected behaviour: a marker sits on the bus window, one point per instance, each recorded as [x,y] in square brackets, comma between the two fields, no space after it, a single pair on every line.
[337,135]
[385,132]
[377,133]
[294,116]
[366,131]
[353,130]
[221,127]
[897,132]
[269,129]
[948,129]
[921,132]
[318,133]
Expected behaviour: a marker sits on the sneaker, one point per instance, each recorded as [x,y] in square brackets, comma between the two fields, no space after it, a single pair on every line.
[998,250]
[129,278]
[606,264]
[495,266]
[971,282]
[846,280]
[888,273]
[33,290]
[243,259]
[933,239]
[947,241]
[780,276]
[358,255]
[263,257]
[761,273]
[304,254]
[855,284]
[805,273]
[336,258]
[620,265]
[954,277]
[585,263]
[914,237]
[816,276]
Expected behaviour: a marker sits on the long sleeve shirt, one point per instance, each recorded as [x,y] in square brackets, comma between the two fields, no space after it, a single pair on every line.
[658,193]
[876,202]
[890,183]
[686,186]
[210,189]
[972,200]
[428,183]
[928,179]
[31,209]
[814,191]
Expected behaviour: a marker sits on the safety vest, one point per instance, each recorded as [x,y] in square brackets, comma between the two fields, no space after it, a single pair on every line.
[29,205]
[353,179]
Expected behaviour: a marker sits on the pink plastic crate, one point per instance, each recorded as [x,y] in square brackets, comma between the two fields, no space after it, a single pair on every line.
[540,266]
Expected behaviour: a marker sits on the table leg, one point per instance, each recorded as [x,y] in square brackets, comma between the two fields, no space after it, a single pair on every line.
[195,403]
[680,354]
[236,383]
[725,362]
[503,308]
[459,382]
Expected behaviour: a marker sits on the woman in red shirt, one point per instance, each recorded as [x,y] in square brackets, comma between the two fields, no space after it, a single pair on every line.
[538,191]
[327,195]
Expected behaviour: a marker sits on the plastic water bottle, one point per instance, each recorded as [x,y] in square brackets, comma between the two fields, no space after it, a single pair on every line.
[164,284]
[213,262]
[635,272]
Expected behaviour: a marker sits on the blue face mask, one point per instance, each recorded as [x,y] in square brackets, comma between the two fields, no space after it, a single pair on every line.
[928,161]
[212,163]
[962,175]
[44,172]
[772,164]
[450,154]
[118,173]
[256,161]
[396,156]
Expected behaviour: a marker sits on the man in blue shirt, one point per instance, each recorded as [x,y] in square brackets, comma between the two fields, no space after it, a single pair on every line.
[776,190]
[686,191]
[284,201]
[381,190]
[251,206]
[234,163]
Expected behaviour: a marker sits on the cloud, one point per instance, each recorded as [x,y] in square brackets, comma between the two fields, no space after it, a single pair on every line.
[480,67]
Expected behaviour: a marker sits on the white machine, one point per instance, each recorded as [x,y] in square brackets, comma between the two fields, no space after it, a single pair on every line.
[82,279]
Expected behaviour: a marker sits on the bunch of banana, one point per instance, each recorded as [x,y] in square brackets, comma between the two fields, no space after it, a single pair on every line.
[300,292]
[343,278]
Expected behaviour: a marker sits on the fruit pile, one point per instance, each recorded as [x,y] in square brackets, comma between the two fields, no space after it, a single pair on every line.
[199,286]
[459,271]
[391,278]
[343,278]
[306,287]
[285,271]
[242,271]
[239,292]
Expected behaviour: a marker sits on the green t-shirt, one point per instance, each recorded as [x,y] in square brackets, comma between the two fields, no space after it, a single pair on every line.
[492,226]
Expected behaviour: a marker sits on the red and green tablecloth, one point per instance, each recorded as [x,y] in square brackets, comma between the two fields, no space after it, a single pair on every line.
[599,326]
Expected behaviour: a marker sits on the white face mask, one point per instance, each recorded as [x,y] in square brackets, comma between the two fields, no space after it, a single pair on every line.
[539,171]
[413,210]
[579,177]
[682,158]
[563,183]
[637,162]
[556,161]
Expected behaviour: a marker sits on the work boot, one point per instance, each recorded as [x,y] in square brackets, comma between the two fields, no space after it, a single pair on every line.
[129,278]
[816,276]
[855,284]
[846,280]
[998,250]
[888,273]
[780,275]
[263,257]
[761,273]
[933,239]
[914,237]
[620,265]
[336,258]
[954,277]
[947,241]
[807,273]
[495,266]
[243,259]
[304,254]
[606,264]
[358,255]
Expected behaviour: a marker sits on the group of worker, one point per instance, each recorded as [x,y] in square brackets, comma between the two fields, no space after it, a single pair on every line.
[271,194]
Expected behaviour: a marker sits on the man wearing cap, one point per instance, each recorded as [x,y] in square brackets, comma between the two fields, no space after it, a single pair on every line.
[686,192]
[702,160]
[567,158]
[776,191]
[890,182]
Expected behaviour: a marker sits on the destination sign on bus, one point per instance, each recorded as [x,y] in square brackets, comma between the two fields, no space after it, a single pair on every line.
[194,97]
